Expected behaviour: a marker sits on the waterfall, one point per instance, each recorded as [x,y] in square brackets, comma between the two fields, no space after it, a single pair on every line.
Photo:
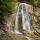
[23,13]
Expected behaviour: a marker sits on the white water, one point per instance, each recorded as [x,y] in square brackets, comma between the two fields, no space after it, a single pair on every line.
[16,22]
[22,10]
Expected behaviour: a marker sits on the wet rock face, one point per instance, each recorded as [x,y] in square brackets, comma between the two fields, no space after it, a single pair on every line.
[29,8]
[35,19]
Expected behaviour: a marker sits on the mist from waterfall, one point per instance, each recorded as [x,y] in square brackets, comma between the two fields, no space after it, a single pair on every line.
[22,13]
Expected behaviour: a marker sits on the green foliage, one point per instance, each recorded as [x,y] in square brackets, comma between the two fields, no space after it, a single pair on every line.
[6,7]
[33,2]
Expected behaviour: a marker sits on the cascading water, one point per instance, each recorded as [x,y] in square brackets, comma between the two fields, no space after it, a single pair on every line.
[25,18]
[16,22]
[22,13]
